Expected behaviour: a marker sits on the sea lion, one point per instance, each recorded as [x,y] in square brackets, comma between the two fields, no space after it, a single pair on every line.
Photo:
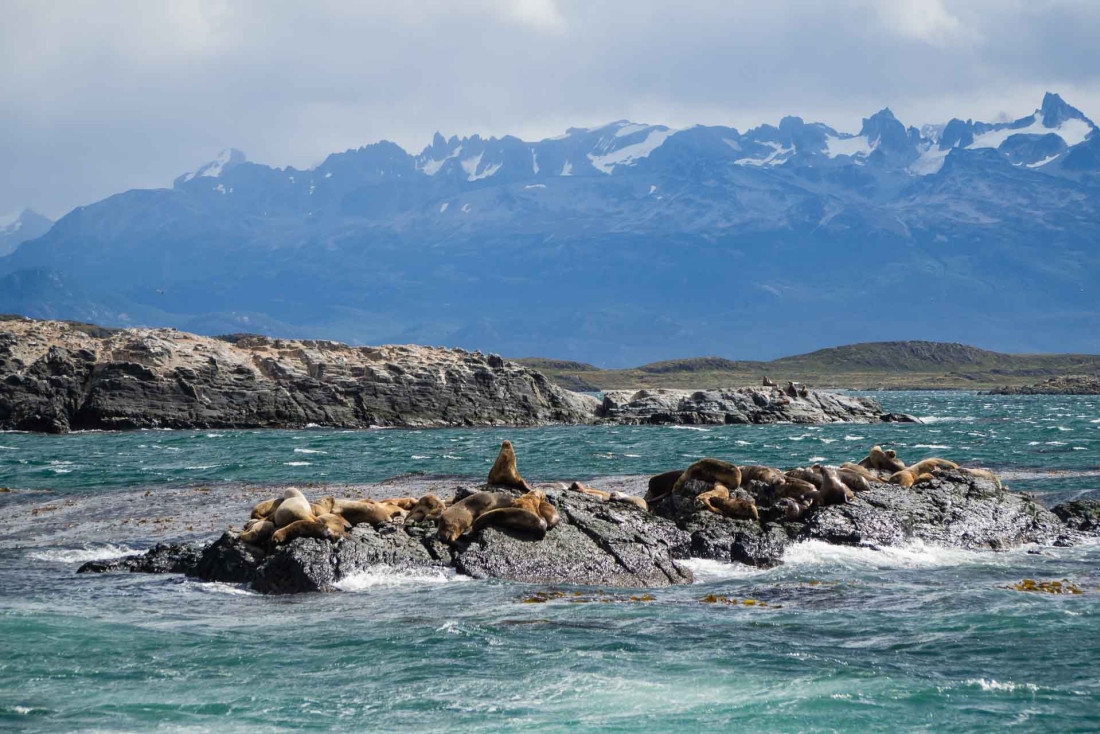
[578,487]
[661,485]
[517,519]
[927,466]
[549,513]
[790,508]
[766,474]
[886,461]
[459,517]
[293,508]
[720,491]
[708,472]
[629,499]
[428,507]
[738,505]
[536,502]
[792,391]
[367,511]
[325,527]
[322,506]
[266,508]
[833,490]
[806,475]
[799,490]
[803,391]
[257,531]
[769,383]
[856,482]
[405,503]
[903,478]
[504,472]
[863,471]
[983,474]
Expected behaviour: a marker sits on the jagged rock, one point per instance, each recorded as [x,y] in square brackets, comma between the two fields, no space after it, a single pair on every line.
[161,558]
[738,405]
[603,544]
[58,376]
[1080,515]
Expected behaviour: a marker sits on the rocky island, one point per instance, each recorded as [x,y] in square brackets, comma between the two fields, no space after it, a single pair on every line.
[1062,385]
[58,376]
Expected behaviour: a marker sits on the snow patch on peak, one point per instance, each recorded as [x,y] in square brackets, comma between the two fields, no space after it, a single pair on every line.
[1073,131]
[778,155]
[930,161]
[630,154]
[629,128]
[226,159]
[567,169]
[431,166]
[849,146]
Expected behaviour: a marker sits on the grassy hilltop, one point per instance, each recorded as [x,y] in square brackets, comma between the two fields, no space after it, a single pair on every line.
[890,365]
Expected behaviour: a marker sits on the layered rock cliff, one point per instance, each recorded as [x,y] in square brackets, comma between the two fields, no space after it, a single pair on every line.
[61,376]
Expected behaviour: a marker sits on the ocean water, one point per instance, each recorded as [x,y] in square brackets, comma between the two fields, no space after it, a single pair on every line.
[837,639]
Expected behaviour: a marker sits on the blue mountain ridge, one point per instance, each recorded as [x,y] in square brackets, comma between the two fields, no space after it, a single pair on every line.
[616,245]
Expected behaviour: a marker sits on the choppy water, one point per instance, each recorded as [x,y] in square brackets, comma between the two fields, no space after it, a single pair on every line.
[851,638]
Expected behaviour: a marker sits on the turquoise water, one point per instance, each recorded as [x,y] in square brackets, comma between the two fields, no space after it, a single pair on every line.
[852,638]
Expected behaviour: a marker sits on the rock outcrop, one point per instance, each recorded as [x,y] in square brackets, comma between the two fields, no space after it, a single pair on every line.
[60,376]
[739,405]
[1062,385]
[611,544]
[954,510]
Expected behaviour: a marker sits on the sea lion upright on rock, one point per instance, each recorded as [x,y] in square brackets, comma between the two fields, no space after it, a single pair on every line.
[769,383]
[504,472]
[833,490]
[704,474]
[293,508]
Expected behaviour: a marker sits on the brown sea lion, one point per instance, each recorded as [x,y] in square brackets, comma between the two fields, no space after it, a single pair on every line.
[983,474]
[661,485]
[591,491]
[517,519]
[769,383]
[790,508]
[257,531]
[325,527]
[926,466]
[293,508]
[629,499]
[428,507]
[405,503]
[367,511]
[766,474]
[504,472]
[322,506]
[863,471]
[806,475]
[799,490]
[708,472]
[459,517]
[719,491]
[739,506]
[886,461]
[856,481]
[792,391]
[266,508]
[833,490]
[803,391]
[549,513]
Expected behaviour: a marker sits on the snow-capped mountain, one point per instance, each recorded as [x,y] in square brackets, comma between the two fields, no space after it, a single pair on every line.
[623,243]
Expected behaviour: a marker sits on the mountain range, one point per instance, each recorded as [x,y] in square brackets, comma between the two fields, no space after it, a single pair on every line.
[615,245]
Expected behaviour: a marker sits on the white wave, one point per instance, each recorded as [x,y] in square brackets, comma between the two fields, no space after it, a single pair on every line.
[690,428]
[297,463]
[930,446]
[451,456]
[816,458]
[739,442]
[945,418]
[309,451]
[218,587]
[853,438]
[419,457]
[202,467]
[706,570]
[389,577]
[632,456]
[8,448]
[215,435]
[82,555]
[1095,421]
[912,555]
[995,685]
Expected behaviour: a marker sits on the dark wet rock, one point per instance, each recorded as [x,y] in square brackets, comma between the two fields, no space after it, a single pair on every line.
[1080,515]
[613,544]
[955,510]
[739,405]
[161,558]
[735,540]
[57,376]
[597,543]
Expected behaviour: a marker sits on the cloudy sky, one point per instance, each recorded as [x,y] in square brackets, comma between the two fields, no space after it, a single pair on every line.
[97,97]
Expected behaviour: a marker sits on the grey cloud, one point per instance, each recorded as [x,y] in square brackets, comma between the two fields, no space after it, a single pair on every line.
[103,96]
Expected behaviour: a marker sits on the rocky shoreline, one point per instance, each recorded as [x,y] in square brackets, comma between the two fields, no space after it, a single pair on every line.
[1062,385]
[60,376]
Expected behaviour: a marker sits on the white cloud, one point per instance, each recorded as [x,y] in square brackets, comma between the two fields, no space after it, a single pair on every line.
[922,20]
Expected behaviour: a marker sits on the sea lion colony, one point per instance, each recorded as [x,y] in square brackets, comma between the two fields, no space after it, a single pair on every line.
[737,491]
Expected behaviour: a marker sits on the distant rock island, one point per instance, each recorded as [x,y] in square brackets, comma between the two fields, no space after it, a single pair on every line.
[1064,385]
[58,376]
